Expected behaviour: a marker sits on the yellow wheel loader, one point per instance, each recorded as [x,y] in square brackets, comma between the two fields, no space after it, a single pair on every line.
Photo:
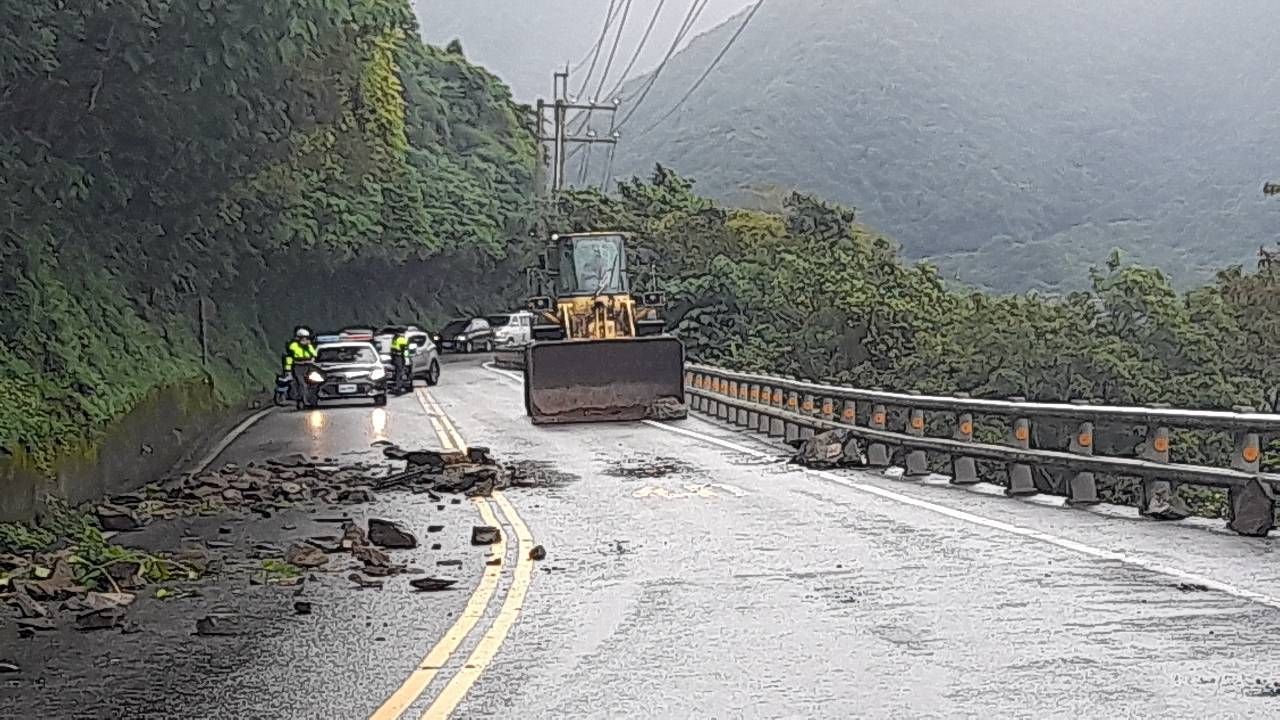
[600,351]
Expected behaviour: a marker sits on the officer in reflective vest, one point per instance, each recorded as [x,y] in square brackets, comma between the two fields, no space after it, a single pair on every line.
[400,360]
[300,348]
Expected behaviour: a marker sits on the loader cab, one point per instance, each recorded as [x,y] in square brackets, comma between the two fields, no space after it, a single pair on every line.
[590,265]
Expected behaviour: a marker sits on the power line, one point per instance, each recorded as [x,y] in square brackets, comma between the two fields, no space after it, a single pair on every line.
[714,63]
[604,33]
[608,19]
[613,52]
[653,21]
[690,18]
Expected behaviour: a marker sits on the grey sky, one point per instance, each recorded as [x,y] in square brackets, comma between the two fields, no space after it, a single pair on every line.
[524,41]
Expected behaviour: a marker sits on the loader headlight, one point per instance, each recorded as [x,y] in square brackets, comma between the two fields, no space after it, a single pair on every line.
[315,376]
[378,374]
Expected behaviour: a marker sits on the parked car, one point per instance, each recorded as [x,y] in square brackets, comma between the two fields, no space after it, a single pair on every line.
[346,371]
[513,329]
[466,335]
[358,333]
[424,360]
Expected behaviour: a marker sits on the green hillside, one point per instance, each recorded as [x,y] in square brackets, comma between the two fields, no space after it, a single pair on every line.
[287,162]
[1013,144]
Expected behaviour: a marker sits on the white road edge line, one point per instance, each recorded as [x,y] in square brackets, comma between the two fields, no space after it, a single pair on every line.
[1077,547]
[231,437]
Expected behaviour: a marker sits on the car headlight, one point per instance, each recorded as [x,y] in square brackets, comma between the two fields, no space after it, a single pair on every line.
[436,338]
[378,374]
[315,376]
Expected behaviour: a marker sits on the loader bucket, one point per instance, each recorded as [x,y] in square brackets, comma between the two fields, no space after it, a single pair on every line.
[572,381]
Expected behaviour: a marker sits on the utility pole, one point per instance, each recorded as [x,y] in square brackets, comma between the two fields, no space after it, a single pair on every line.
[560,138]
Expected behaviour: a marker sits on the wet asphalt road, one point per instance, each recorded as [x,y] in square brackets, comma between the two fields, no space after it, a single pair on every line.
[687,579]
[783,594]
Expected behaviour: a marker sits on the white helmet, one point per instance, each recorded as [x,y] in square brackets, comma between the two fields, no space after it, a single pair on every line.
[302,333]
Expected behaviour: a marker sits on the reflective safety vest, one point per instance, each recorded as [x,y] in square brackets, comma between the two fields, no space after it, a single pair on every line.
[298,351]
[400,345]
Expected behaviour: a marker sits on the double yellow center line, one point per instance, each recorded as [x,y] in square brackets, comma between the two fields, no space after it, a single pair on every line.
[486,648]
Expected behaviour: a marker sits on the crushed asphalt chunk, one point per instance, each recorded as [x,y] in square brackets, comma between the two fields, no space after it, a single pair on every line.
[485,535]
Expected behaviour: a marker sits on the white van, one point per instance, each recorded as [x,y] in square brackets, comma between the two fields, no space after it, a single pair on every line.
[512,330]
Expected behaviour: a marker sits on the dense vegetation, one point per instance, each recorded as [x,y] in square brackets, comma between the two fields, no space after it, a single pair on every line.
[1013,144]
[289,161]
[812,293]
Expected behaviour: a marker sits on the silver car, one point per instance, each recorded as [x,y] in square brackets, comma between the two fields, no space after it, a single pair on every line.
[424,357]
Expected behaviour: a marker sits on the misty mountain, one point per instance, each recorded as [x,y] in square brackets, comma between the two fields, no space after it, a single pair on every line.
[525,41]
[1012,143]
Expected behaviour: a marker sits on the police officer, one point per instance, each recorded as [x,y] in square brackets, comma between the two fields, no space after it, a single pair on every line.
[300,349]
[400,361]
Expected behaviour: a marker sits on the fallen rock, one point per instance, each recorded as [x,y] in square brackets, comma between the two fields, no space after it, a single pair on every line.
[59,584]
[216,482]
[224,530]
[493,562]
[214,626]
[290,489]
[388,534]
[356,495]
[34,625]
[127,575]
[8,667]
[117,518]
[195,558]
[666,409]
[305,556]
[831,449]
[301,607]
[353,535]
[103,619]
[485,535]
[371,556]
[96,601]
[431,584]
[538,553]
[364,582]
[434,528]
[27,606]
[232,496]
[435,546]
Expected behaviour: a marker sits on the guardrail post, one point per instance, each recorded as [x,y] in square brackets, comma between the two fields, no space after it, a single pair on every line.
[878,452]
[1251,507]
[793,408]
[1158,498]
[753,397]
[722,408]
[732,415]
[917,464]
[743,413]
[807,408]
[1020,480]
[849,414]
[713,404]
[964,470]
[777,428]
[1082,488]
[700,402]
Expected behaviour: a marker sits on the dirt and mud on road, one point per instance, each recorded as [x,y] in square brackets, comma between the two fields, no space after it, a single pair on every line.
[236,554]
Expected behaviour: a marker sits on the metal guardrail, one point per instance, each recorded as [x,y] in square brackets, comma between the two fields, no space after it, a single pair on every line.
[509,358]
[793,409]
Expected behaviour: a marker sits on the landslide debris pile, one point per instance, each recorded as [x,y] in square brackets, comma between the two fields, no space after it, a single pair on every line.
[66,568]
